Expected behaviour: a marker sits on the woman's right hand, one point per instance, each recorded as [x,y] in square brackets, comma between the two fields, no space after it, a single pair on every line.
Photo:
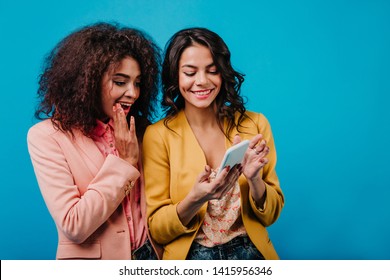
[204,190]
[126,141]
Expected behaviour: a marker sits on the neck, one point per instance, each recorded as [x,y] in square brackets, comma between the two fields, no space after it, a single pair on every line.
[201,118]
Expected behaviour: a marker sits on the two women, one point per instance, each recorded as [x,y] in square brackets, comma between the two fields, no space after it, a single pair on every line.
[87,154]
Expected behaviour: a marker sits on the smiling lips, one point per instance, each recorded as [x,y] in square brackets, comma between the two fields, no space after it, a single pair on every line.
[202,93]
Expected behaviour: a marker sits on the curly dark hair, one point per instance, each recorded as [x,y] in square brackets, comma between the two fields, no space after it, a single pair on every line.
[70,85]
[228,101]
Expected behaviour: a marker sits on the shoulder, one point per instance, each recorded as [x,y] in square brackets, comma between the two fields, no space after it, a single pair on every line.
[257,118]
[41,137]
[167,126]
[156,127]
[44,127]
[154,133]
[46,130]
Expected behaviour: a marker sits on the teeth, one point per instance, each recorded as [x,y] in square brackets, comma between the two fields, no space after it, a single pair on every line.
[201,93]
[125,104]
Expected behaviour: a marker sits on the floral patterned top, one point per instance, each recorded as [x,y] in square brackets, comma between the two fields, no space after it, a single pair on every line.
[222,221]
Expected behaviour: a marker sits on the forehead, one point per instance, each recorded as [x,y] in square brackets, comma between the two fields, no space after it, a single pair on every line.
[125,65]
[196,54]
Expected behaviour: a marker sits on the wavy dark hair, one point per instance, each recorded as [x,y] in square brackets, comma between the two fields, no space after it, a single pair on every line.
[228,101]
[70,86]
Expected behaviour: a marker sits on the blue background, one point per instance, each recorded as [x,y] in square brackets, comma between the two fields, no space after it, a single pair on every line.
[319,70]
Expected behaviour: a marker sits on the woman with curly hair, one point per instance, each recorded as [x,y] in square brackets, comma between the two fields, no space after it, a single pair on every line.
[209,214]
[97,92]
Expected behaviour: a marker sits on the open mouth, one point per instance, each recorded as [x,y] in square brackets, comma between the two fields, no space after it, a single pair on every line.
[201,93]
[125,106]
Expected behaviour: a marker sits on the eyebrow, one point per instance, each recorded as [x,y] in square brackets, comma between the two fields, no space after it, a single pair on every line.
[192,66]
[125,76]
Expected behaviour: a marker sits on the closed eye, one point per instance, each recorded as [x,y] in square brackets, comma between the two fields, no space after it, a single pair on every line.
[212,70]
[118,83]
[215,72]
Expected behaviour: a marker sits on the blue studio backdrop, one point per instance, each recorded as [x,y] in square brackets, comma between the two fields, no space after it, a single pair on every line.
[319,71]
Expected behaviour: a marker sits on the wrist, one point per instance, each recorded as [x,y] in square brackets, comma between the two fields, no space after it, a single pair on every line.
[134,163]
[131,160]
[260,201]
[255,180]
[257,187]
[194,199]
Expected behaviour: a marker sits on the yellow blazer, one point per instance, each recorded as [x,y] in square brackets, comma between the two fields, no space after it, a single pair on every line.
[173,160]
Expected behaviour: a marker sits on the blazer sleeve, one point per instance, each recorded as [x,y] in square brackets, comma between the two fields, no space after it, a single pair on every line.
[77,214]
[274,196]
[163,220]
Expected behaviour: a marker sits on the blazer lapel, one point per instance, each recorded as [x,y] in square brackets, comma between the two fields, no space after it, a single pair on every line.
[88,147]
[190,143]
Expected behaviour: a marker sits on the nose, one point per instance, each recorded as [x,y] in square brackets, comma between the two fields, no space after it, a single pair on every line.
[201,78]
[132,91]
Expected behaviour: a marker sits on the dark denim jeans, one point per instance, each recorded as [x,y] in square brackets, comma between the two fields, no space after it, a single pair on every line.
[145,252]
[239,248]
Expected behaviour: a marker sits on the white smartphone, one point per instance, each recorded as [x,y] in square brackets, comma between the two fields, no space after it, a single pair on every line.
[234,155]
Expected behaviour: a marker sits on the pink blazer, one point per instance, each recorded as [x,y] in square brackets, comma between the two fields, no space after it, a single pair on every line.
[83,191]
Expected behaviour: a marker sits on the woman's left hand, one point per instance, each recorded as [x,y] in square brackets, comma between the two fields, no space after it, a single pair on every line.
[254,161]
[255,157]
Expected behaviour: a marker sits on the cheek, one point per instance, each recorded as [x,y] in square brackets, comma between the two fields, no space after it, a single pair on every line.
[138,93]
[185,81]
[107,108]
[107,102]
[217,81]
[185,84]
[105,93]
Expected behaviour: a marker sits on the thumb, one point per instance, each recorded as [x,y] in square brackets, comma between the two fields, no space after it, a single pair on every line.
[236,139]
[204,176]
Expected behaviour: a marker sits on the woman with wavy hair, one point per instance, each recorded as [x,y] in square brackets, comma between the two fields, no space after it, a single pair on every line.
[209,214]
[97,93]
